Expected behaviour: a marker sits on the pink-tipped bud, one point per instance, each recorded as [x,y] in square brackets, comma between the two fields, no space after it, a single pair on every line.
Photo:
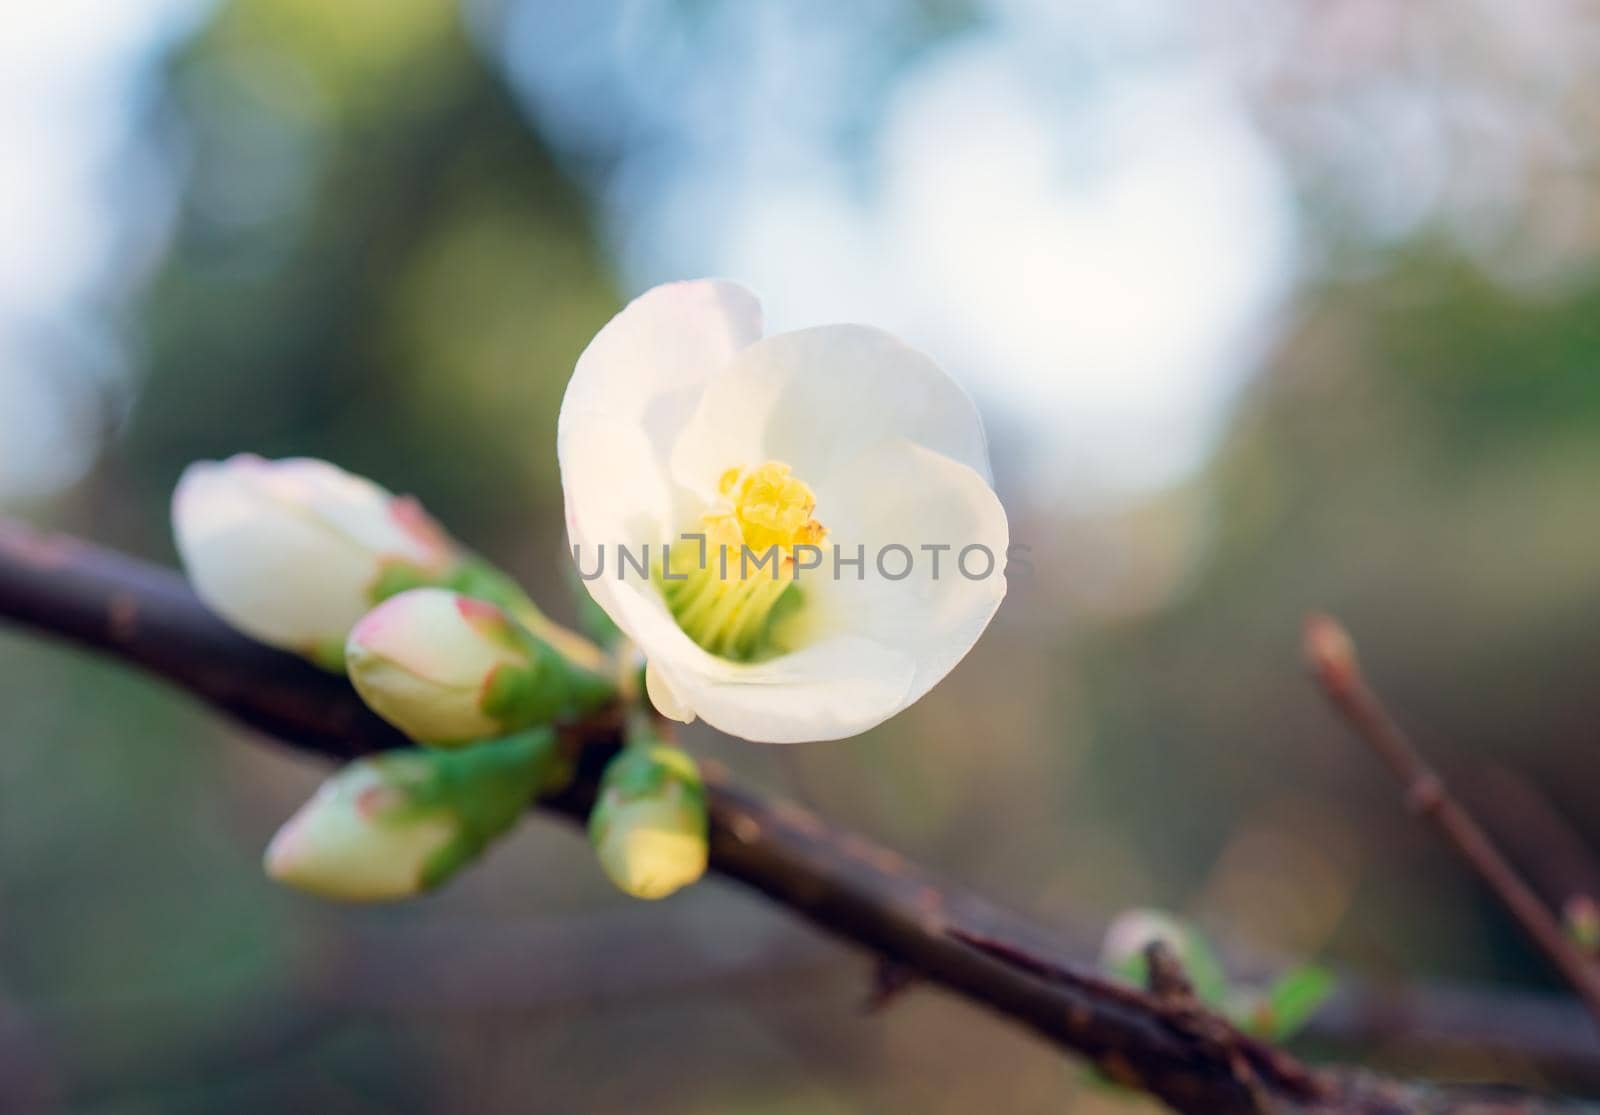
[396,824]
[438,665]
[1582,916]
[361,838]
[1330,652]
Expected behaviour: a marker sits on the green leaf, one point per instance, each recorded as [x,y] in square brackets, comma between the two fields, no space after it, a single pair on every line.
[1294,999]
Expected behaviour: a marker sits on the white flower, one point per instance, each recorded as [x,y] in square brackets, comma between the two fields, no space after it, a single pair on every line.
[428,661]
[293,552]
[682,420]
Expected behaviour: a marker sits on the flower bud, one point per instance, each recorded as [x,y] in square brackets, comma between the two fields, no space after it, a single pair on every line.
[448,669]
[649,823]
[1133,931]
[1582,917]
[293,552]
[393,825]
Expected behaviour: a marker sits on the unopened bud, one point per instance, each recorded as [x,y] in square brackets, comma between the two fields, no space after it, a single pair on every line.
[649,822]
[447,669]
[293,552]
[1582,916]
[396,824]
[1134,931]
[1330,652]
[1126,953]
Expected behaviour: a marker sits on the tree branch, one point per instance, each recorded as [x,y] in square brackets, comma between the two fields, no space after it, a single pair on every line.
[841,882]
[1333,660]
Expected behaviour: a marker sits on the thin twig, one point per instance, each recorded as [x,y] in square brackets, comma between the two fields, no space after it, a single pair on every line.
[1251,1062]
[1332,657]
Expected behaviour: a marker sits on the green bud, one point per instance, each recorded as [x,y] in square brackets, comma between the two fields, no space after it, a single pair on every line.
[396,824]
[649,823]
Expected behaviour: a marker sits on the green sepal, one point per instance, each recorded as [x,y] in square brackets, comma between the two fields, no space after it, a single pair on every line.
[327,654]
[473,576]
[644,769]
[397,576]
[647,763]
[485,788]
[548,689]
[470,576]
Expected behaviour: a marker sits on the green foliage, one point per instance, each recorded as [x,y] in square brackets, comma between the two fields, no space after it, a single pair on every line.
[1487,365]
[1292,1001]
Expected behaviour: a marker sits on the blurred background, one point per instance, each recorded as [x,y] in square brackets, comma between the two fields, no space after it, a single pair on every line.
[1268,308]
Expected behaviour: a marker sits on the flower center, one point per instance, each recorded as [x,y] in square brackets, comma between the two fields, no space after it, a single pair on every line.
[728,593]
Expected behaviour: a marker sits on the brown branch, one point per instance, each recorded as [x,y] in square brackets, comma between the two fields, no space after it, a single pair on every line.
[841,882]
[1332,656]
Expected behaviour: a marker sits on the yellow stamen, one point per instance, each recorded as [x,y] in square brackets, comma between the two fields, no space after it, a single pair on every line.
[725,602]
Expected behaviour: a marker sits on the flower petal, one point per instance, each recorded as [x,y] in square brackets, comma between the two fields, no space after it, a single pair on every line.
[904,495]
[633,388]
[362,511]
[618,500]
[663,696]
[647,365]
[838,686]
[835,688]
[287,550]
[816,398]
